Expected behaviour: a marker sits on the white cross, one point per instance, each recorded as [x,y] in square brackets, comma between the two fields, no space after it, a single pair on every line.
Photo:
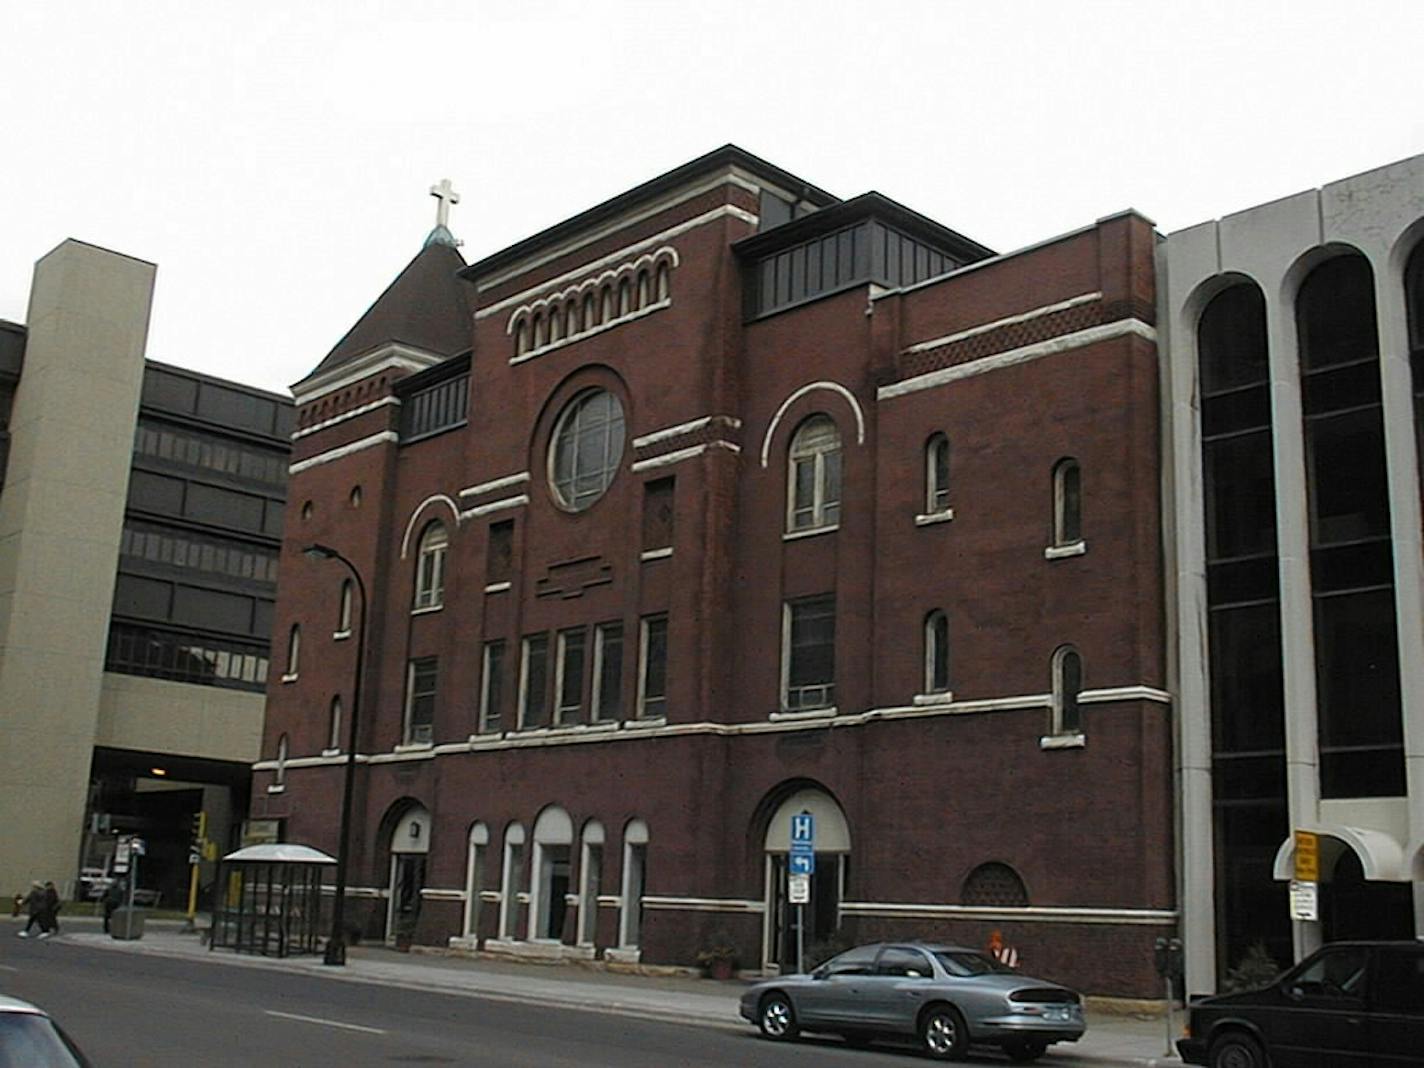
[445,193]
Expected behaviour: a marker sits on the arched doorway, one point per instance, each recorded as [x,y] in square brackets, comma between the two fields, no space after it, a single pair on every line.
[553,841]
[821,913]
[1355,908]
[410,845]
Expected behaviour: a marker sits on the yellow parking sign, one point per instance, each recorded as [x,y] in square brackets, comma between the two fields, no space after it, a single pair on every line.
[1307,857]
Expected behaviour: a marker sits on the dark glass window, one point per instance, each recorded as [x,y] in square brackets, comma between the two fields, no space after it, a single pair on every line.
[937,653]
[139,650]
[571,657]
[810,653]
[420,702]
[652,696]
[1246,684]
[1067,503]
[994,883]
[937,475]
[608,671]
[1067,686]
[1399,981]
[499,564]
[492,697]
[435,408]
[658,514]
[534,710]
[1356,650]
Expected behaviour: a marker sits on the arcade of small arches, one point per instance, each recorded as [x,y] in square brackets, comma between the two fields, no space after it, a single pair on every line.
[612,297]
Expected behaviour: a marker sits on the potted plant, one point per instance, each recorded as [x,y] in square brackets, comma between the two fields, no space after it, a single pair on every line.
[718,959]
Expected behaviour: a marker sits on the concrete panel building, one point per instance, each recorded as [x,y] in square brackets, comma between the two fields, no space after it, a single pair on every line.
[138,522]
[1293,346]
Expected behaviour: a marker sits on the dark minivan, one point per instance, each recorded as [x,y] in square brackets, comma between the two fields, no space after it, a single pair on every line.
[1347,1005]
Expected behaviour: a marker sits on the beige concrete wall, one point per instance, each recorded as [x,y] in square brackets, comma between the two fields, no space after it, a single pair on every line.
[158,716]
[61,517]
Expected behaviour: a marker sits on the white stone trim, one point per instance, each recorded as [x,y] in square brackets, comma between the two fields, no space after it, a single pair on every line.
[797,394]
[655,554]
[498,587]
[342,451]
[1028,914]
[809,532]
[289,678]
[428,609]
[495,506]
[804,715]
[382,358]
[434,498]
[1060,552]
[1130,327]
[623,954]
[929,700]
[1008,320]
[703,904]
[593,283]
[491,895]
[590,237]
[1063,741]
[609,901]
[495,484]
[563,342]
[684,428]
[435,893]
[352,414]
[1124,693]
[678,455]
[934,517]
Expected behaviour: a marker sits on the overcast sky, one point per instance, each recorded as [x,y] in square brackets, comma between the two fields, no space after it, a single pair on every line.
[274,158]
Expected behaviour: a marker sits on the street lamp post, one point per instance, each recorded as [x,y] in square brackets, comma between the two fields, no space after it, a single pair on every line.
[336,944]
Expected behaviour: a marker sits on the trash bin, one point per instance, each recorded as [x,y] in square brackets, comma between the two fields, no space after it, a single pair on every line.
[127,924]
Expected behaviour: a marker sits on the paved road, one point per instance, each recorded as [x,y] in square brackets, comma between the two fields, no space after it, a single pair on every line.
[128,1011]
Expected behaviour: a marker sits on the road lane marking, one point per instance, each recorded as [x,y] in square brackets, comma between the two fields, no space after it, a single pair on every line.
[326,1023]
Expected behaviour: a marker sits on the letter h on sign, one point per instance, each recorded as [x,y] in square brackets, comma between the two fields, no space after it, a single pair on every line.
[803,828]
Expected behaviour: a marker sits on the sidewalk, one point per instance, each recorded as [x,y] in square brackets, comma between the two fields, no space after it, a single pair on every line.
[701,1002]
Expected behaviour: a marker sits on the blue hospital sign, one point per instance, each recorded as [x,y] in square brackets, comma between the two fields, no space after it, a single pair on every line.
[803,829]
[802,864]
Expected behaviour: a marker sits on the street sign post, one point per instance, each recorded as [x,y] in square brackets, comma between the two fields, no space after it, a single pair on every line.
[801,865]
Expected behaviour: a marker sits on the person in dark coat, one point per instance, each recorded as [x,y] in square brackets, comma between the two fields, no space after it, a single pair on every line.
[34,908]
[113,899]
[50,920]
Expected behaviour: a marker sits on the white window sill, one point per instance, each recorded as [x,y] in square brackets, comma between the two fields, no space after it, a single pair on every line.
[829,712]
[497,587]
[413,747]
[645,724]
[1058,552]
[330,752]
[931,518]
[340,635]
[427,609]
[491,895]
[275,789]
[922,699]
[486,736]
[810,532]
[1063,741]
[656,554]
[291,677]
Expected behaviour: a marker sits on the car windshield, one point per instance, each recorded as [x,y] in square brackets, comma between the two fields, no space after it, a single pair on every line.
[30,1041]
[963,962]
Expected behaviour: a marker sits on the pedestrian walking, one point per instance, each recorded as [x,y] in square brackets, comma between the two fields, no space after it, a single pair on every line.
[34,908]
[51,910]
[113,899]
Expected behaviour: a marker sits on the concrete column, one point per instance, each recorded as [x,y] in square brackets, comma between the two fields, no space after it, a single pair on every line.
[61,517]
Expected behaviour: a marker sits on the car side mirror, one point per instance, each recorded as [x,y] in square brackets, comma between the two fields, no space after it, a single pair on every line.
[821,973]
[1295,993]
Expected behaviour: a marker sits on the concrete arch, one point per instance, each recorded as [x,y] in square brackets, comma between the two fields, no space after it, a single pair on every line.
[1380,854]
[649,260]
[553,827]
[1301,267]
[811,387]
[832,827]
[434,498]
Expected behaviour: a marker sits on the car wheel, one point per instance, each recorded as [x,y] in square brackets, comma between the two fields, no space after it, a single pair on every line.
[1236,1050]
[1026,1050]
[776,1018]
[943,1033]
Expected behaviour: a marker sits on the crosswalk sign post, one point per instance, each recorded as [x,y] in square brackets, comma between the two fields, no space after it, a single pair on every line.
[801,865]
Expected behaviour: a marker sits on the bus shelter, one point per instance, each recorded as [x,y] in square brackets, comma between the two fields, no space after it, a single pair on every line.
[269,900]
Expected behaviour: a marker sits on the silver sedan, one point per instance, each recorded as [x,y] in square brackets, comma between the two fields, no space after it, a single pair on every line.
[948,997]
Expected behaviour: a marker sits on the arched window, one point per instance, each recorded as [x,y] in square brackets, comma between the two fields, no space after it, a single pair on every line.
[1067,503]
[590,311]
[937,475]
[813,498]
[521,337]
[625,298]
[1357,678]
[994,884]
[586,448]
[1414,303]
[635,883]
[343,612]
[333,726]
[512,878]
[571,317]
[664,278]
[550,877]
[430,567]
[645,292]
[279,776]
[937,652]
[478,846]
[294,652]
[1067,686]
[556,323]
[590,882]
[538,334]
[610,309]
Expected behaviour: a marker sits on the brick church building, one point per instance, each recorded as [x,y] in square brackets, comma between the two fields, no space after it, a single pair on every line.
[723,501]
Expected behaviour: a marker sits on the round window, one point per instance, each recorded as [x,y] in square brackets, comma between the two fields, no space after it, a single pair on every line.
[586,448]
